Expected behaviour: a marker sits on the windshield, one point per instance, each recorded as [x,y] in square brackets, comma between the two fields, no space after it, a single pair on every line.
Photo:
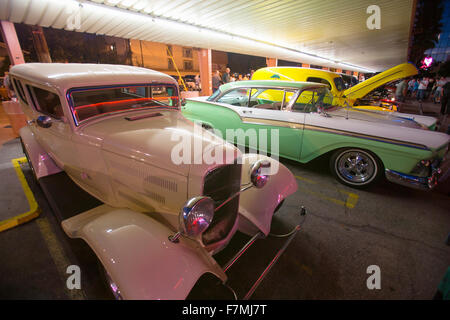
[261,98]
[91,102]
[314,100]
[213,96]
[349,81]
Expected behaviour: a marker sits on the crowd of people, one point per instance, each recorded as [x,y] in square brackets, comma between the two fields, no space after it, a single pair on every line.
[218,79]
[426,89]
[422,89]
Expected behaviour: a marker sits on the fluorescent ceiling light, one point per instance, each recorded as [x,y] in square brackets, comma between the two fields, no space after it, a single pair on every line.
[114,21]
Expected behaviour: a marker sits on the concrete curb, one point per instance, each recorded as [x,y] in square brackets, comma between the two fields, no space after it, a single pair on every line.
[34,208]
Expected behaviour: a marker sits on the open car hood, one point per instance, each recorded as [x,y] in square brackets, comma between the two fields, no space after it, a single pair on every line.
[363,88]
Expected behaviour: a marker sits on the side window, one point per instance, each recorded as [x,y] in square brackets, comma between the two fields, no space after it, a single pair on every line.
[306,102]
[310,100]
[47,102]
[319,80]
[19,90]
[273,99]
[236,97]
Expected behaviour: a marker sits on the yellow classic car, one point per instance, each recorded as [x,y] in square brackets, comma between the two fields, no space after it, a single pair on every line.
[343,96]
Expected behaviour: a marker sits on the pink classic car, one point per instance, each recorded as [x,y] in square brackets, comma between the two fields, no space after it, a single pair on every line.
[118,133]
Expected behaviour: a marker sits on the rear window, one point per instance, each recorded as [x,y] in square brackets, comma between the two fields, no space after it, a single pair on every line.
[319,80]
[340,84]
[91,102]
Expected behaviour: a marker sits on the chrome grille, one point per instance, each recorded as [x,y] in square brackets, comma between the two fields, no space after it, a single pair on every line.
[220,184]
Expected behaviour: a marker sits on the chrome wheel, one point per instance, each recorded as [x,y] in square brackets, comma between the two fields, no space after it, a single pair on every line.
[355,167]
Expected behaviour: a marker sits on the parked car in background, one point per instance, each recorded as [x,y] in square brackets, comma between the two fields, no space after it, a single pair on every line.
[344,95]
[114,131]
[363,145]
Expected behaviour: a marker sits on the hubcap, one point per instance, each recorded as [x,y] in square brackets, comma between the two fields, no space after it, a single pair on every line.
[356,167]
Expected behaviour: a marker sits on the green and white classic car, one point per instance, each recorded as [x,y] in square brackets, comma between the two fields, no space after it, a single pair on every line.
[302,121]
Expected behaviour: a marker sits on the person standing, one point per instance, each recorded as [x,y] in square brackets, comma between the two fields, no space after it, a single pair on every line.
[445,110]
[415,88]
[421,90]
[226,76]
[400,92]
[411,86]
[216,81]
[197,82]
[438,91]
[429,88]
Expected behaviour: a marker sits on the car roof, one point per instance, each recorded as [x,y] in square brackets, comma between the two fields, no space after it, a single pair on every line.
[302,69]
[63,76]
[272,83]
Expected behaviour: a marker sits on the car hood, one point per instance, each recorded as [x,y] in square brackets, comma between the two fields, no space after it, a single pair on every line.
[159,138]
[363,88]
[379,117]
[383,125]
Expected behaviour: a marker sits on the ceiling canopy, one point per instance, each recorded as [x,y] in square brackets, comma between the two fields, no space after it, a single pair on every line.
[327,33]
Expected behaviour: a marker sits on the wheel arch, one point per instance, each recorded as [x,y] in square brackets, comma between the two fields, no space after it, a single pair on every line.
[135,251]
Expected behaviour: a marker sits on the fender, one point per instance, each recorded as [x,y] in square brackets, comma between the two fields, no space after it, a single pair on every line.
[135,251]
[257,206]
[42,164]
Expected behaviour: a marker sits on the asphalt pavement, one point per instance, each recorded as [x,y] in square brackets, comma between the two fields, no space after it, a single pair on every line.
[346,231]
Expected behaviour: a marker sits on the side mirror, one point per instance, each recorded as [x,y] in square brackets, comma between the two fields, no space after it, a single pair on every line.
[44,121]
[183,102]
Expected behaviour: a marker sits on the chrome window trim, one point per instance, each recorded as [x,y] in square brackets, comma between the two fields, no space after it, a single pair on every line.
[78,123]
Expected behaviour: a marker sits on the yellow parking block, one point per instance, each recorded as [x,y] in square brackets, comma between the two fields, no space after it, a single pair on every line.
[34,208]
[305,180]
[352,199]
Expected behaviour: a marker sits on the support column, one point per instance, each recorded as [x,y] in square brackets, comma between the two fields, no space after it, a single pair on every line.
[271,62]
[40,44]
[205,63]
[12,42]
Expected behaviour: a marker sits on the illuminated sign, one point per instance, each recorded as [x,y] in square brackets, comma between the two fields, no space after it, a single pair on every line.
[426,62]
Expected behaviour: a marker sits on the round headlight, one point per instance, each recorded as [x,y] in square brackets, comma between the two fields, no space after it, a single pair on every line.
[257,177]
[196,215]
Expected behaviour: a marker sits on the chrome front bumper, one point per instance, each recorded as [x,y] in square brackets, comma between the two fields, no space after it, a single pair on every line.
[438,174]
